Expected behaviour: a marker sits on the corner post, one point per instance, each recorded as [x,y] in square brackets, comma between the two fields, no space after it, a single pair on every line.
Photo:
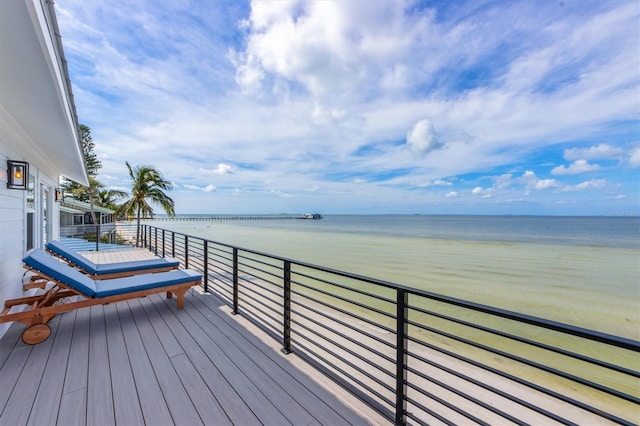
[402,328]
[235,281]
[286,315]
[205,266]
[186,252]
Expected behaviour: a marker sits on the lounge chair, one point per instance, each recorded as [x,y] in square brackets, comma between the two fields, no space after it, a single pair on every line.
[110,270]
[68,281]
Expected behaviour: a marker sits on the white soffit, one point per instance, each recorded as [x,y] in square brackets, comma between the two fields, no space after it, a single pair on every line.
[36,110]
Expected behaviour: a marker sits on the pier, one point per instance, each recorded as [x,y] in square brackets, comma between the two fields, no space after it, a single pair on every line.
[228,218]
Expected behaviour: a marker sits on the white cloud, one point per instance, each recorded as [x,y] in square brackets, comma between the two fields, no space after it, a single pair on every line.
[597,152]
[281,194]
[534,182]
[207,188]
[591,184]
[422,138]
[504,181]
[222,169]
[483,192]
[451,194]
[634,158]
[289,99]
[577,167]
[435,182]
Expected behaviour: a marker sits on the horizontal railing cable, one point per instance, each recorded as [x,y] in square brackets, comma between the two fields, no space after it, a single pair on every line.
[350,351]
[343,299]
[540,345]
[532,363]
[507,395]
[342,371]
[346,312]
[340,323]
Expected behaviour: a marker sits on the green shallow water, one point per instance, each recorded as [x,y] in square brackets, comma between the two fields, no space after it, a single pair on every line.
[588,286]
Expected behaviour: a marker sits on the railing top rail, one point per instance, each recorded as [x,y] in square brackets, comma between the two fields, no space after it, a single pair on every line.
[593,335]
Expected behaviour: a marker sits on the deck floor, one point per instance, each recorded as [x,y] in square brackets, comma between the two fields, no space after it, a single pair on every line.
[144,361]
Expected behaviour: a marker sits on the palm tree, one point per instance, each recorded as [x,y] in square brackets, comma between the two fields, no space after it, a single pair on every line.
[89,193]
[109,198]
[146,184]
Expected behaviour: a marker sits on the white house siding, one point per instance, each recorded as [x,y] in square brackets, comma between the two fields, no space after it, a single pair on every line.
[37,125]
[13,232]
[12,209]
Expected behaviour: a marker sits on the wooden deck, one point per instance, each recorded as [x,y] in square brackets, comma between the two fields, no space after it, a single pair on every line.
[146,362]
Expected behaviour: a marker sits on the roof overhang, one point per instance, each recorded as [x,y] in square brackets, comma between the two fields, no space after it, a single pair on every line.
[65,209]
[37,111]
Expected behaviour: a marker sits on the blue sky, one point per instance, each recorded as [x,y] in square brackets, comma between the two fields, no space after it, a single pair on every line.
[392,106]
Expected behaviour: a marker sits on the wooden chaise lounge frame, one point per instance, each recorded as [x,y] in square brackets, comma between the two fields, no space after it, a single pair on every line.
[40,309]
[119,269]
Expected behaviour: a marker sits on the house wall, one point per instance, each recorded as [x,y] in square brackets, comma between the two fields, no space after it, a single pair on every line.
[13,220]
[38,124]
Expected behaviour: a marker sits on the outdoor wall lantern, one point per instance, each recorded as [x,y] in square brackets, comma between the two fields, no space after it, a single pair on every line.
[18,174]
[59,194]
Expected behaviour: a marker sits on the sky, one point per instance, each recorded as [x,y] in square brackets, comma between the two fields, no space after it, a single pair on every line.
[365,107]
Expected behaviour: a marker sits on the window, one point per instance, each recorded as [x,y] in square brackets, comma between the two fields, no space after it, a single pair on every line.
[46,213]
[31,213]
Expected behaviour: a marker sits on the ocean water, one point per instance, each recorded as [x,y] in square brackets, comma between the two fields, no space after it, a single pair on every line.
[583,271]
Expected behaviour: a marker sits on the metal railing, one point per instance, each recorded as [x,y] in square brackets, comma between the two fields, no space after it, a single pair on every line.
[415,356]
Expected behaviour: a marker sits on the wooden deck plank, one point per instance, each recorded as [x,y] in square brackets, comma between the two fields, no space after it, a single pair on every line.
[73,409]
[168,341]
[73,404]
[248,391]
[125,397]
[320,403]
[9,341]
[258,372]
[152,403]
[203,399]
[99,390]
[176,397]
[20,404]
[210,410]
[14,362]
[232,403]
[50,389]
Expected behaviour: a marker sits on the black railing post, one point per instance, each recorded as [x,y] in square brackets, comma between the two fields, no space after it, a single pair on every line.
[186,252]
[402,329]
[286,315]
[235,281]
[163,243]
[205,266]
[97,237]
[173,244]
[155,245]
